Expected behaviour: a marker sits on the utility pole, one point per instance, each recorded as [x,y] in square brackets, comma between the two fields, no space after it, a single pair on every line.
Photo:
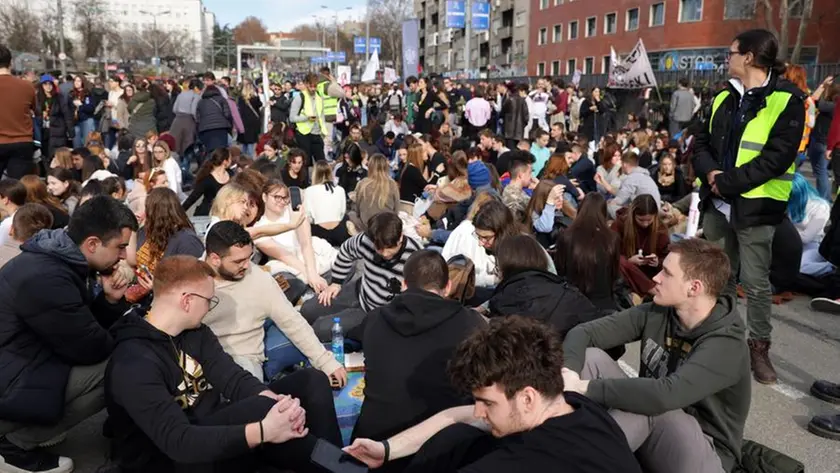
[157,34]
[227,52]
[467,34]
[61,54]
[367,32]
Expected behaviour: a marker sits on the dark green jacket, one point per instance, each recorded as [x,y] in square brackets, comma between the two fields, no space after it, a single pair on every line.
[707,374]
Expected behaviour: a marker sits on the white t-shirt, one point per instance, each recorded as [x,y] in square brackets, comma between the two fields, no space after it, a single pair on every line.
[324,206]
[173,175]
[6,228]
[324,253]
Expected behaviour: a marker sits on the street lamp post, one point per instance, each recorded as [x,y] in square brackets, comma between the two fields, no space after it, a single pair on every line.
[335,12]
[61,54]
[157,42]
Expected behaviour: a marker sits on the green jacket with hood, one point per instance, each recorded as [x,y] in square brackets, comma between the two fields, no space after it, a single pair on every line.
[704,371]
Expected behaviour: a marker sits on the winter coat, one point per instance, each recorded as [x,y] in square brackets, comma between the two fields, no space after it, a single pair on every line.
[163,113]
[41,338]
[281,107]
[544,296]
[590,120]
[61,122]
[515,113]
[141,110]
[251,120]
[213,112]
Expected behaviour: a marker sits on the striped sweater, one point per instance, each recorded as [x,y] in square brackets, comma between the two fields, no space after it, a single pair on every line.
[375,291]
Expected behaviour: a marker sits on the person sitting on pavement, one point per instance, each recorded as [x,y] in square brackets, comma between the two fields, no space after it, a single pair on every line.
[528,288]
[250,298]
[55,345]
[636,182]
[408,343]
[510,367]
[687,410]
[28,220]
[514,196]
[383,250]
[178,402]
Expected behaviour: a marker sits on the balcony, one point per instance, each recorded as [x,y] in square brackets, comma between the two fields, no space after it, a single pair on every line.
[483,61]
[432,8]
[504,32]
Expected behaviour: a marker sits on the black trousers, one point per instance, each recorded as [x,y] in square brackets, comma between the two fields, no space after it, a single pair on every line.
[313,145]
[313,389]
[336,236]
[16,159]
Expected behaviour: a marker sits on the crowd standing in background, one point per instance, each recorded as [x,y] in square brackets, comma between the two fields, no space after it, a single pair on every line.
[491,248]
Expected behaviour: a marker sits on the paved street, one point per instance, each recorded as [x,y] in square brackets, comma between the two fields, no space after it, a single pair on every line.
[806,347]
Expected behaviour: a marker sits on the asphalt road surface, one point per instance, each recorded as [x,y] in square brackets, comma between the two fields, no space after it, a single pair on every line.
[806,346]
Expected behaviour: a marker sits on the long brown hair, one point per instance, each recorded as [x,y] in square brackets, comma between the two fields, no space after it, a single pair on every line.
[415,158]
[36,193]
[642,205]
[378,186]
[581,247]
[607,156]
[538,201]
[164,218]
[557,166]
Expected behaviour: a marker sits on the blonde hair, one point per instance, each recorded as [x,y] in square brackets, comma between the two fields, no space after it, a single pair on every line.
[248,91]
[227,195]
[378,185]
[63,158]
[481,198]
[161,144]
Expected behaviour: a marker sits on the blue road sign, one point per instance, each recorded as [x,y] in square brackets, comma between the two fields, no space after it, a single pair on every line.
[336,56]
[376,45]
[456,14]
[359,46]
[480,16]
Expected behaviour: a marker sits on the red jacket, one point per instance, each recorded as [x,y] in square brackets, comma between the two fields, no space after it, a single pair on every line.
[834,129]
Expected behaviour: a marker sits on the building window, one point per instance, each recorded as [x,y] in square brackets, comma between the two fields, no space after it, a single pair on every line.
[571,66]
[609,23]
[543,4]
[657,14]
[519,47]
[605,65]
[589,65]
[795,10]
[557,35]
[691,10]
[632,20]
[739,9]
[496,50]
[573,29]
[591,25]
[542,37]
[520,19]
[555,68]
[558,2]
[541,69]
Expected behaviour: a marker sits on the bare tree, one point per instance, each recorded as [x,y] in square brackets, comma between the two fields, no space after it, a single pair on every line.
[807,7]
[19,27]
[782,12]
[386,19]
[93,23]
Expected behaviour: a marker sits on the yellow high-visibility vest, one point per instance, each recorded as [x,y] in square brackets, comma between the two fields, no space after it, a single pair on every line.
[752,143]
[305,127]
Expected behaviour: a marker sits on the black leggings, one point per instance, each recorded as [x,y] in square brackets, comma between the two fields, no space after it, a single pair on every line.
[336,236]
[313,389]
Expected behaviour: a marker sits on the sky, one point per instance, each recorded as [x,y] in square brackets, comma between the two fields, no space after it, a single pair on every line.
[283,15]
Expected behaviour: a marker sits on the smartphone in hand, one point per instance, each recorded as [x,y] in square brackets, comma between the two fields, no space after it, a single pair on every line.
[297,199]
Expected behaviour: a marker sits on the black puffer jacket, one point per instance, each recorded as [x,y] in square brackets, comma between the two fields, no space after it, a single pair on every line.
[42,337]
[544,296]
[213,111]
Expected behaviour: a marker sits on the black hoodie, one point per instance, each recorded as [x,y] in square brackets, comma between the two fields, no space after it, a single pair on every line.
[408,344]
[156,398]
[544,296]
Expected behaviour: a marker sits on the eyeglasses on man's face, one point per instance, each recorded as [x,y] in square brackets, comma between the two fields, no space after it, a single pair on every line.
[212,302]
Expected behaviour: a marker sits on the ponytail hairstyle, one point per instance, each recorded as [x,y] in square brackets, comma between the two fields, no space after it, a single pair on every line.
[217,158]
[764,47]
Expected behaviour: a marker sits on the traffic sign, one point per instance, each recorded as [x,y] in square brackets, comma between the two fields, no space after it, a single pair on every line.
[456,14]
[359,45]
[62,57]
[339,56]
[480,15]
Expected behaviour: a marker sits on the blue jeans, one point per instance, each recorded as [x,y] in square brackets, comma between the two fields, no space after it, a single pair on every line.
[82,130]
[816,154]
[248,150]
[280,352]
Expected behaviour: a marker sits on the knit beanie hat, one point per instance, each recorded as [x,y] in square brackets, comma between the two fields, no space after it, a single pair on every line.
[477,174]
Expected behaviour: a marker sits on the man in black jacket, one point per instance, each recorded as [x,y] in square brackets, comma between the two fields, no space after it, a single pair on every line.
[744,158]
[178,402]
[281,102]
[408,344]
[53,338]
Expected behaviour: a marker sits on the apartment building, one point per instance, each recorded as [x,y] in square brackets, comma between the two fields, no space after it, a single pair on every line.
[498,52]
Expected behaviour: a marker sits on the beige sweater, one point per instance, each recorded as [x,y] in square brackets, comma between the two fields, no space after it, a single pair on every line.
[243,308]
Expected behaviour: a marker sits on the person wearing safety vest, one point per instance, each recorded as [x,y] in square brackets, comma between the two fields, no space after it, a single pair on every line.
[330,104]
[744,157]
[308,113]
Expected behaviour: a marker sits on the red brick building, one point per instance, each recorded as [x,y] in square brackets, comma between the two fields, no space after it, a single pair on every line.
[678,34]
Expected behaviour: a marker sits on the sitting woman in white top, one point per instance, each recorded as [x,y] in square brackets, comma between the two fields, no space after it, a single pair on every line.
[809,213]
[463,241]
[326,206]
[298,252]
[162,157]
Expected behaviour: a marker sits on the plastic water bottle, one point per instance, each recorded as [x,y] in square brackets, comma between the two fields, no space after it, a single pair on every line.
[338,341]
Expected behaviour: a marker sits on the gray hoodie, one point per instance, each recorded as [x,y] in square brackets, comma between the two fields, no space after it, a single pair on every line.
[710,380]
[637,182]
